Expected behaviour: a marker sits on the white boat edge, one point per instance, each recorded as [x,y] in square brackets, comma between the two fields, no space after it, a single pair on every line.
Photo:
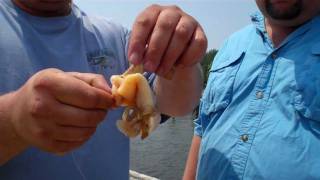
[138,176]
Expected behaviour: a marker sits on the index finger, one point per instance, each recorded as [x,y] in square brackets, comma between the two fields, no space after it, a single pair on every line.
[95,80]
[75,92]
[141,30]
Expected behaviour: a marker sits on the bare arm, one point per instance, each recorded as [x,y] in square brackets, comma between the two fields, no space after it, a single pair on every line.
[192,161]
[10,143]
[184,90]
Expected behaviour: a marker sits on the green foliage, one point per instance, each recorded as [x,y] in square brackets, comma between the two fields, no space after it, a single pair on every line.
[206,65]
[207,62]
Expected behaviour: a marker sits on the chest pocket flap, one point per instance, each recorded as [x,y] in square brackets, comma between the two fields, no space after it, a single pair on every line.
[226,60]
[219,90]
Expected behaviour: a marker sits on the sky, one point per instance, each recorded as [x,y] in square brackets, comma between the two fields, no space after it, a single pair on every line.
[219,18]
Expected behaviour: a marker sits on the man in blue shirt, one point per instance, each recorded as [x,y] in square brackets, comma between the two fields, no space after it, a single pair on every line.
[48,107]
[260,112]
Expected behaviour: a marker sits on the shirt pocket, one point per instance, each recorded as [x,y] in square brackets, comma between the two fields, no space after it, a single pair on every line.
[102,62]
[307,93]
[219,90]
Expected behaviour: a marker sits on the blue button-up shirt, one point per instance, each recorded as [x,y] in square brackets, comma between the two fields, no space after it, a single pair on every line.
[260,112]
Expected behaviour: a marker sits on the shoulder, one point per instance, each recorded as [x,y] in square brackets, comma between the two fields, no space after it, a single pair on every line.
[234,47]
[109,38]
[241,38]
[104,26]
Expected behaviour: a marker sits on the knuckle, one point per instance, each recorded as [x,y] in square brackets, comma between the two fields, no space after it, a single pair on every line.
[144,22]
[175,8]
[52,70]
[100,77]
[38,106]
[191,20]
[42,81]
[201,42]
[183,32]
[170,17]
[40,133]
[154,7]
[45,78]
[166,24]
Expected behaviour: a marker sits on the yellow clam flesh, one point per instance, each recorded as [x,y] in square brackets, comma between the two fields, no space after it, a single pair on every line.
[132,91]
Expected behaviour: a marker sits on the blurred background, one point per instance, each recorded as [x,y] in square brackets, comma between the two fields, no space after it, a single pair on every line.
[163,154]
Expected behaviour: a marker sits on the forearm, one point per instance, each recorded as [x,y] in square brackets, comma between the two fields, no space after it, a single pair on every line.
[181,94]
[10,144]
[192,161]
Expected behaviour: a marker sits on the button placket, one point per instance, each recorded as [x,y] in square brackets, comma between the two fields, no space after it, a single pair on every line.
[254,114]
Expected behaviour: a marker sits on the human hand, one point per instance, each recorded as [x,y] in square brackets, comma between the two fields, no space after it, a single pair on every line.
[164,37]
[57,111]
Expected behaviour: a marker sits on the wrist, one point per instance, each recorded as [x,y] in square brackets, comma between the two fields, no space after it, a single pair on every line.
[11,144]
[180,74]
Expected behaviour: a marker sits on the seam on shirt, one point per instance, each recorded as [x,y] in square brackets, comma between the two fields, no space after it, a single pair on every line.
[265,104]
[254,113]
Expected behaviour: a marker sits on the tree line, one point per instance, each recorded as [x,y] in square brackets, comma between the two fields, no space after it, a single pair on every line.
[207,62]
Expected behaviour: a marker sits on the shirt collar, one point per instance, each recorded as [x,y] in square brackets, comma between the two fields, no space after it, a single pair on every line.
[258,21]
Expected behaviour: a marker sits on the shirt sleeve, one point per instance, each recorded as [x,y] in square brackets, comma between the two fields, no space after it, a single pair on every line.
[197,128]
[201,122]
[198,124]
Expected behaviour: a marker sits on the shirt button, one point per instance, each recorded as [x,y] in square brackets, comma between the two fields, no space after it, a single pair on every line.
[244,138]
[274,56]
[259,95]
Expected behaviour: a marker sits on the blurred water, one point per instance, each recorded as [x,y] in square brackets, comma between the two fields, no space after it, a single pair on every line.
[164,153]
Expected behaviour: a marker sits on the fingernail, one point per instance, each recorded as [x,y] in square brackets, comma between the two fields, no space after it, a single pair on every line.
[135,58]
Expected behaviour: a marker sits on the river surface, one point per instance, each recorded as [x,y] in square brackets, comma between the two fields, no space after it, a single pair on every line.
[163,154]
